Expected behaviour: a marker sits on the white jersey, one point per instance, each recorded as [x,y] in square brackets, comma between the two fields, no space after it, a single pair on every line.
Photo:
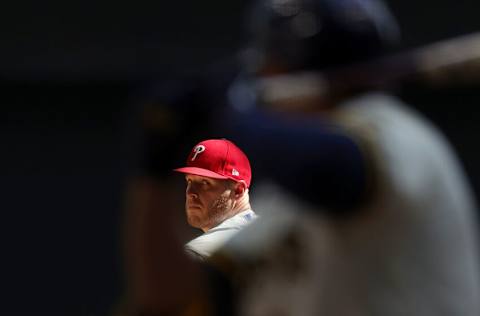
[412,250]
[204,245]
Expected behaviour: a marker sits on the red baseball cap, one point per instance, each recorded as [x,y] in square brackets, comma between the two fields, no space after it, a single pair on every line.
[218,159]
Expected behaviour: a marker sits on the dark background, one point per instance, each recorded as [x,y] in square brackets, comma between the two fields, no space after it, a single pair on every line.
[67,73]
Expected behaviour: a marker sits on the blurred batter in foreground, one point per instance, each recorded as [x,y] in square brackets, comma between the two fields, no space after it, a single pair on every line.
[370,210]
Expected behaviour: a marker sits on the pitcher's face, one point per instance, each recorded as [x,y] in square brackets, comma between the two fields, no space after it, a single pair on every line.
[208,201]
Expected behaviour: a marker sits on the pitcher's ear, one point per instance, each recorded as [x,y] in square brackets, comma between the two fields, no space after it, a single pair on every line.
[240,188]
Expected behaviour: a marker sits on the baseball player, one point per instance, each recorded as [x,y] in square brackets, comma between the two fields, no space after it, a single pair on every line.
[218,176]
[366,209]
[369,211]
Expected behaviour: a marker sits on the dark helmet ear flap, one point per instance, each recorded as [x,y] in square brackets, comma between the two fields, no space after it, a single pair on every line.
[320,34]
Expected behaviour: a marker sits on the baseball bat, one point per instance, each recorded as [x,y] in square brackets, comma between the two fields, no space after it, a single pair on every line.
[451,61]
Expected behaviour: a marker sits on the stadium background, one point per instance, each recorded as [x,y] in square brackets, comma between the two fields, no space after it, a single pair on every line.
[67,70]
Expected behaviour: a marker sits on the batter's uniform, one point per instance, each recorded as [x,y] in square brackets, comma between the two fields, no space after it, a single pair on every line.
[411,248]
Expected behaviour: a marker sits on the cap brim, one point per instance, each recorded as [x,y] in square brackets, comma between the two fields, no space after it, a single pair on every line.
[200,172]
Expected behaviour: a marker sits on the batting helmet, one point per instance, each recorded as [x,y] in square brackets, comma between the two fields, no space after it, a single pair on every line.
[319,34]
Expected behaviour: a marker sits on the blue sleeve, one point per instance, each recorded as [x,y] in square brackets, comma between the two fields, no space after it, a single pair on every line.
[313,158]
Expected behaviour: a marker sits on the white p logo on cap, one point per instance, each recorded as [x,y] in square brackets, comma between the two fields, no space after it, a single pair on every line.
[197,150]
